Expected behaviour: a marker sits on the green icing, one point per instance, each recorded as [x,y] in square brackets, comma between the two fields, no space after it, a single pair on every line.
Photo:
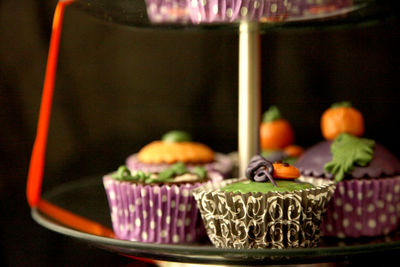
[346,104]
[348,150]
[176,136]
[254,187]
[272,114]
[167,175]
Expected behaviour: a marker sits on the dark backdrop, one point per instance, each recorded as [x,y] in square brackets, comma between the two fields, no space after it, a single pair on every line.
[119,88]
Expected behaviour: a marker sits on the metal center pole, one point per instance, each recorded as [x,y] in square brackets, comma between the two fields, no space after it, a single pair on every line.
[249,93]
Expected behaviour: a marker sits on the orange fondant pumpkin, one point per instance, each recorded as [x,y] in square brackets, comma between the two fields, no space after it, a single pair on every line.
[341,118]
[275,132]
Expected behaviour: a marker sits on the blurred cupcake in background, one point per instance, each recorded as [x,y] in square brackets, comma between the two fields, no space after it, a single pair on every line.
[367,197]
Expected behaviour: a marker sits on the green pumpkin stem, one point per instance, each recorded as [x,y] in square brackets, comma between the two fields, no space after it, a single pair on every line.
[272,114]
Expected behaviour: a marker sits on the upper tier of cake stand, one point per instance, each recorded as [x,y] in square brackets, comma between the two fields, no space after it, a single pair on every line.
[212,14]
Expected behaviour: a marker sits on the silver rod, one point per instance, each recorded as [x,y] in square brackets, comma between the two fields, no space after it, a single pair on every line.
[249,93]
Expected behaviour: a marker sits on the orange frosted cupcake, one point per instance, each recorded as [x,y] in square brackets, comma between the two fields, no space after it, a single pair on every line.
[177,146]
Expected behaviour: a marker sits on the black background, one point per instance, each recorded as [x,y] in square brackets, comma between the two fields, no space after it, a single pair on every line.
[119,88]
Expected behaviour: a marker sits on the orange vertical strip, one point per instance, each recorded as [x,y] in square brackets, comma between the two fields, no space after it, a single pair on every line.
[36,167]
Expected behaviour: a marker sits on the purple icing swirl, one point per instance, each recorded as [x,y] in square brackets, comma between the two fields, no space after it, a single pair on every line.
[260,170]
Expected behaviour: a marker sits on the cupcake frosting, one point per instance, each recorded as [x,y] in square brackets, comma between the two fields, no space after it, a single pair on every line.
[383,164]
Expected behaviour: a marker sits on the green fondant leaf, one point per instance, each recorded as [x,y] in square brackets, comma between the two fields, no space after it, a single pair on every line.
[176,136]
[346,104]
[200,171]
[272,114]
[348,151]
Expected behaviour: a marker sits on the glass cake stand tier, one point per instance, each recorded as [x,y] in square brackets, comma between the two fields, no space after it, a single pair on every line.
[227,14]
[86,197]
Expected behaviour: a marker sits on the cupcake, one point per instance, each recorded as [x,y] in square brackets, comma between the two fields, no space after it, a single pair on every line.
[156,207]
[277,138]
[268,209]
[176,146]
[367,197]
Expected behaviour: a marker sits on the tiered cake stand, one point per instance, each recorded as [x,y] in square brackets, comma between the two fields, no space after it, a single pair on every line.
[60,209]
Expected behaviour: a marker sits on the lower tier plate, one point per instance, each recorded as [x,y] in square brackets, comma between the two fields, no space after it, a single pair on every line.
[86,197]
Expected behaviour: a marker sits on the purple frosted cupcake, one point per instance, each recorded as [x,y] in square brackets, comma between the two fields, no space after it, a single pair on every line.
[176,146]
[155,207]
[367,197]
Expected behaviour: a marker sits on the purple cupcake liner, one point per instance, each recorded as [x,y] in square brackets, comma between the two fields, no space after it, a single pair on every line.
[206,11]
[153,213]
[363,208]
[168,11]
[223,165]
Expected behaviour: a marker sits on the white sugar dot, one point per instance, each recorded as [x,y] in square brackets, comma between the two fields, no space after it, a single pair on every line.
[164,198]
[130,227]
[173,204]
[359,196]
[370,194]
[121,228]
[112,195]
[329,227]
[215,9]
[391,208]
[163,233]
[359,211]
[189,207]
[156,190]
[138,201]
[152,225]
[348,207]
[341,235]
[189,237]
[256,4]
[179,222]
[144,236]
[350,194]
[144,214]
[243,11]
[114,209]
[335,216]
[380,204]
[358,226]
[176,190]
[151,204]
[397,188]
[371,208]
[371,223]
[382,218]
[175,238]
[338,202]
[168,219]
[389,197]
[126,212]
[187,221]
[159,213]
[229,12]
[185,192]
[144,192]
[194,3]
[182,207]
[393,219]
[138,222]
[120,212]
[345,223]
[274,8]
[203,2]
[131,208]
[342,190]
